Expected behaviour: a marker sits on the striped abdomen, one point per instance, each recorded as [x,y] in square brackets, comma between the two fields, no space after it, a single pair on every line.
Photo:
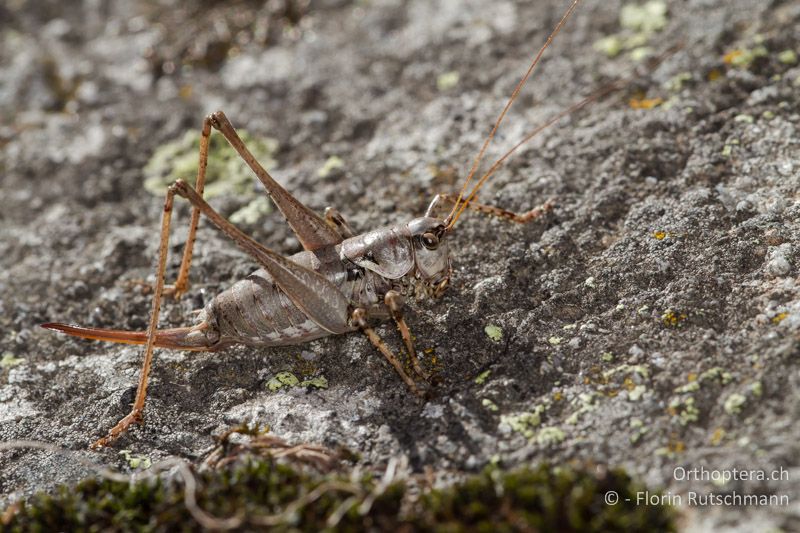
[256,312]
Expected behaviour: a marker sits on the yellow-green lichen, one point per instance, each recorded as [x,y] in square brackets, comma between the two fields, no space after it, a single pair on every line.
[677,82]
[734,403]
[288,379]
[626,369]
[253,211]
[331,164]
[744,57]
[611,45]
[787,57]
[636,393]
[493,332]
[639,54]
[550,436]
[648,17]
[639,430]
[490,405]
[714,373]
[282,379]
[8,360]
[586,402]
[685,409]
[639,22]
[447,80]
[226,174]
[319,382]
[481,378]
[136,461]
[692,386]
[525,423]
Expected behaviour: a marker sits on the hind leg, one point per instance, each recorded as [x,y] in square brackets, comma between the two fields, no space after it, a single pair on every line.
[181,284]
[135,416]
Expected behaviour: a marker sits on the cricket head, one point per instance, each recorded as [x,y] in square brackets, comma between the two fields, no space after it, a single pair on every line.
[432,266]
[415,254]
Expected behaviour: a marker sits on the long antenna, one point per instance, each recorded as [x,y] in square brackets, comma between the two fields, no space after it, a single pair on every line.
[552,120]
[517,89]
[610,88]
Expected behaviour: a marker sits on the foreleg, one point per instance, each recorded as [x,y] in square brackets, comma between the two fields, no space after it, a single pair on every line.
[359,317]
[335,220]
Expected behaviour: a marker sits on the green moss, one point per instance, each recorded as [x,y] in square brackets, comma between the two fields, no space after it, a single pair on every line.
[227,173]
[541,498]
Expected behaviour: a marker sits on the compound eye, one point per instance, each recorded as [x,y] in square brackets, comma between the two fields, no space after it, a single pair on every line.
[430,241]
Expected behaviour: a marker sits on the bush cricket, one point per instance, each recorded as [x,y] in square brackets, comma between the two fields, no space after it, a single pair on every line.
[341,282]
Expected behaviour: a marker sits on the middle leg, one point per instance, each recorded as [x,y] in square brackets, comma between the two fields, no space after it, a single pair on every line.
[182,282]
[394,301]
[359,317]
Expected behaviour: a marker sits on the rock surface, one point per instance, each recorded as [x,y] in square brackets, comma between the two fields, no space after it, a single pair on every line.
[649,321]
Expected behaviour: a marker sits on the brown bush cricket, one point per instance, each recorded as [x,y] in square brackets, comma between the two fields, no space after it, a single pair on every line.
[341,282]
